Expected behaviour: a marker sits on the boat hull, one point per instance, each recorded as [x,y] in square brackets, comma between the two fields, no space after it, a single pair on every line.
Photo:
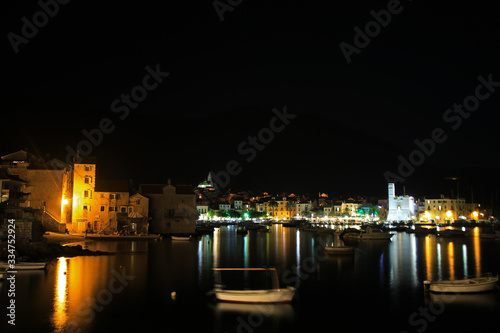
[339,250]
[475,285]
[181,238]
[381,236]
[24,266]
[256,296]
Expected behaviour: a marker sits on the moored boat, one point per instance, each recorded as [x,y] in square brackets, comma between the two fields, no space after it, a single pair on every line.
[23,266]
[275,294]
[181,238]
[339,249]
[368,234]
[450,233]
[472,285]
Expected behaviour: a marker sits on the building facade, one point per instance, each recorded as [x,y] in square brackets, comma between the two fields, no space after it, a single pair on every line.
[401,208]
[172,208]
[446,210]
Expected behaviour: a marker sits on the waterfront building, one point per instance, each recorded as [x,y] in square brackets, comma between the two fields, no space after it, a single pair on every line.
[401,208]
[446,210]
[349,208]
[172,208]
[303,206]
[47,184]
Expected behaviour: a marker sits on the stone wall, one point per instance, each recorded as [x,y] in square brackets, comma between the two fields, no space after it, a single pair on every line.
[29,230]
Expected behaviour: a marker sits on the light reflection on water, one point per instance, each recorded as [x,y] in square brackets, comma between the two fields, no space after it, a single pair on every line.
[393,271]
[60,317]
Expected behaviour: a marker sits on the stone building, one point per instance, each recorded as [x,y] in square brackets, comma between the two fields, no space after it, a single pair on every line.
[172,208]
[47,184]
[401,208]
[105,206]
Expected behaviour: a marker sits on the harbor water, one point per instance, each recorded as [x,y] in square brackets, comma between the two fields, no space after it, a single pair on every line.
[164,286]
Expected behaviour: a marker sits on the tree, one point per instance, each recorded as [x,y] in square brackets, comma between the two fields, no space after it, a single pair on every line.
[290,205]
[233,214]
[374,211]
[273,204]
[306,213]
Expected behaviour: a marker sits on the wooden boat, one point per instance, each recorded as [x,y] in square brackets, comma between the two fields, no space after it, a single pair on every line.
[339,249]
[271,295]
[181,238]
[23,266]
[368,234]
[472,285]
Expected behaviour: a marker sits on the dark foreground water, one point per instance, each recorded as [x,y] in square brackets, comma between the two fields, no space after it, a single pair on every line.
[161,286]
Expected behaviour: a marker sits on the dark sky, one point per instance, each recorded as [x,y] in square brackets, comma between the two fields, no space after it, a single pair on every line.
[264,53]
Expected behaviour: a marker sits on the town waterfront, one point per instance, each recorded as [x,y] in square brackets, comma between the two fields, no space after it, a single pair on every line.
[158,286]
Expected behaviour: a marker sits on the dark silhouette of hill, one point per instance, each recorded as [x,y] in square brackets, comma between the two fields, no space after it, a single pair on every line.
[311,154]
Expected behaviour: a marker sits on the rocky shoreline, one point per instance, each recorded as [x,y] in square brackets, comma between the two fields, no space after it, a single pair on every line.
[48,249]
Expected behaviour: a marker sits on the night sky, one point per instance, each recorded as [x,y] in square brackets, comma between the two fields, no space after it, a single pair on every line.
[352,120]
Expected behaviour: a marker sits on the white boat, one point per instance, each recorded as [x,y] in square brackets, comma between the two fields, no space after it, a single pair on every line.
[368,234]
[339,249]
[181,238]
[21,266]
[472,285]
[272,295]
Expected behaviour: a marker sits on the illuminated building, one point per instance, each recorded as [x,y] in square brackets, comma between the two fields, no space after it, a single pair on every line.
[46,187]
[446,210]
[104,206]
[401,208]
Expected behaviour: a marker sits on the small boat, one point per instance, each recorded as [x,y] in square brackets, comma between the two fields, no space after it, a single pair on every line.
[368,234]
[275,294]
[450,233]
[339,249]
[181,238]
[472,285]
[23,266]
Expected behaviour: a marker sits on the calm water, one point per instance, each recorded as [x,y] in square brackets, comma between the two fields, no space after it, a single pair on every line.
[162,286]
